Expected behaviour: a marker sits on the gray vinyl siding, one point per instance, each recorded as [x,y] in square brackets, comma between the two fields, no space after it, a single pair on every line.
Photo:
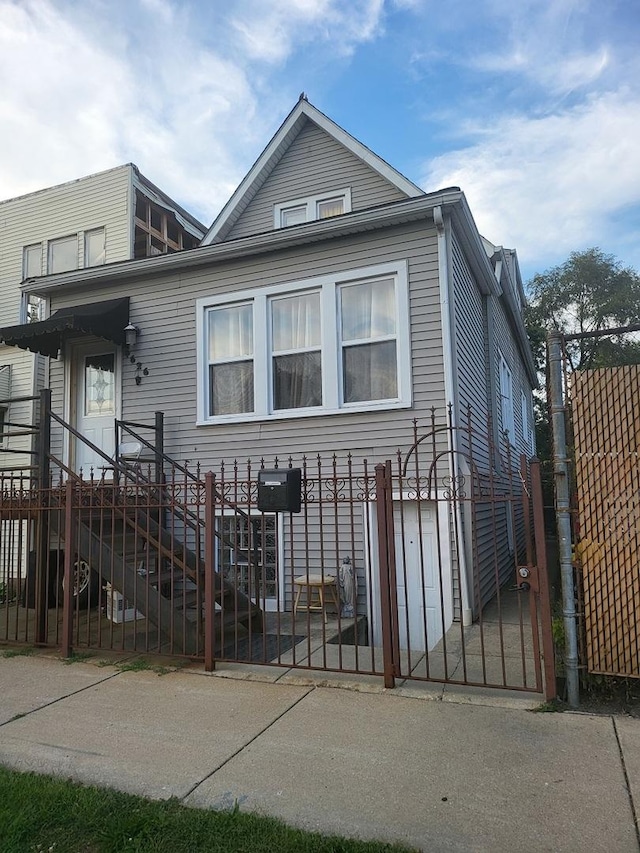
[471,361]
[164,309]
[100,200]
[314,164]
[487,519]
[496,559]
[506,345]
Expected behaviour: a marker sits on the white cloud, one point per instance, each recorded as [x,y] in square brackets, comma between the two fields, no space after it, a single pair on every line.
[269,31]
[559,74]
[543,40]
[549,185]
[175,88]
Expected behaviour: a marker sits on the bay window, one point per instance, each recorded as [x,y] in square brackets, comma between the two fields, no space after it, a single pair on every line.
[326,345]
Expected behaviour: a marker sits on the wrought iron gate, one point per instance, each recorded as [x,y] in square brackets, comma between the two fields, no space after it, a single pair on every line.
[463,576]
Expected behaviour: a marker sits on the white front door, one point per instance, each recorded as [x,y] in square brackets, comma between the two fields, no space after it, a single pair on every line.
[96,376]
[424,582]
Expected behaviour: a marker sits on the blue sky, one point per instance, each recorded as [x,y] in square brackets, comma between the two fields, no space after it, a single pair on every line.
[532,107]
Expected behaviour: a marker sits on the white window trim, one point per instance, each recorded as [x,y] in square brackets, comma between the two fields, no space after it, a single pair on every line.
[25,249]
[327,286]
[527,424]
[507,408]
[310,203]
[85,246]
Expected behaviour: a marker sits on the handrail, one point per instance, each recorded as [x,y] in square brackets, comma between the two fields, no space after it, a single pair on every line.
[176,465]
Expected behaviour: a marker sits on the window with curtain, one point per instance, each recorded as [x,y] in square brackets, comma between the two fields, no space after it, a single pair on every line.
[330,207]
[332,343]
[296,348]
[368,338]
[311,208]
[230,339]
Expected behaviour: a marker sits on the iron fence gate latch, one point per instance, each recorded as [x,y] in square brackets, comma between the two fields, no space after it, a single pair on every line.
[527,579]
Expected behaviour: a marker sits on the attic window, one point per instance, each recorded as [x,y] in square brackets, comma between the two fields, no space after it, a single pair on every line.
[312,208]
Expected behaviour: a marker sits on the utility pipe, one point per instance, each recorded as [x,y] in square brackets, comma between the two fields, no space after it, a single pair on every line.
[563,516]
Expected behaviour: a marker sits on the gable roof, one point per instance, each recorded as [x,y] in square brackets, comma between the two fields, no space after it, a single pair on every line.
[273,153]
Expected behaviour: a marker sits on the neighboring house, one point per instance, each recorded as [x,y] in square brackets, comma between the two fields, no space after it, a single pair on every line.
[331,302]
[90,222]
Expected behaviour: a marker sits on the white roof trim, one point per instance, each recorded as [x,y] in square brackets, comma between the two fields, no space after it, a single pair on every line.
[304,109]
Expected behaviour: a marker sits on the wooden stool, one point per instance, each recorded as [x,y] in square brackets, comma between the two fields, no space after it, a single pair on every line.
[316,586]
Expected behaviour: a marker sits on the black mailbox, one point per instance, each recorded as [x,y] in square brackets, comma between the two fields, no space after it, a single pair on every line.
[279,490]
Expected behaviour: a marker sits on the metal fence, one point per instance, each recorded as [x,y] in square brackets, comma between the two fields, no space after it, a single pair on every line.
[423,567]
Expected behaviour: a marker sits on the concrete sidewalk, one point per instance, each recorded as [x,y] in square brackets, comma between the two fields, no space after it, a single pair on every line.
[437,775]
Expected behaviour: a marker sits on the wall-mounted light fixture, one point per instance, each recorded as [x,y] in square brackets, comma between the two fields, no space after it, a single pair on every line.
[131,333]
[130,336]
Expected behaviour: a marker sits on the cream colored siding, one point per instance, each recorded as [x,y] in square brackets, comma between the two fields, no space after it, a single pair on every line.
[315,164]
[96,201]
[164,310]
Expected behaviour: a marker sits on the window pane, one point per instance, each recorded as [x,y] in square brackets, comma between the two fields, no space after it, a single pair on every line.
[94,249]
[370,372]
[231,388]
[297,381]
[230,332]
[293,215]
[32,262]
[368,310]
[35,308]
[295,322]
[99,384]
[239,548]
[331,207]
[63,254]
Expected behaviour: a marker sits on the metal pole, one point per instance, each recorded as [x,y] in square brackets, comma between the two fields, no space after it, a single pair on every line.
[382,486]
[209,568]
[563,516]
[550,691]
[42,547]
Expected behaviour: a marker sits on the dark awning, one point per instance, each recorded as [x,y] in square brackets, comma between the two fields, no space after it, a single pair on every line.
[103,319]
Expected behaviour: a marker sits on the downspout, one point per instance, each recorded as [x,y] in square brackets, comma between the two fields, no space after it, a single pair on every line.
[563,516]
[447,309]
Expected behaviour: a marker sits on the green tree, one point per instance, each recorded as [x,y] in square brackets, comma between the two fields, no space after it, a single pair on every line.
[590,291]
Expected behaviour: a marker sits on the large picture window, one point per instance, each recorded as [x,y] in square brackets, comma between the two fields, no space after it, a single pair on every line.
[326,345]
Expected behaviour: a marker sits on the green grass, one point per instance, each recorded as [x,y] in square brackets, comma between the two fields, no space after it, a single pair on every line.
[18,652]
[39,814]
[77,657]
